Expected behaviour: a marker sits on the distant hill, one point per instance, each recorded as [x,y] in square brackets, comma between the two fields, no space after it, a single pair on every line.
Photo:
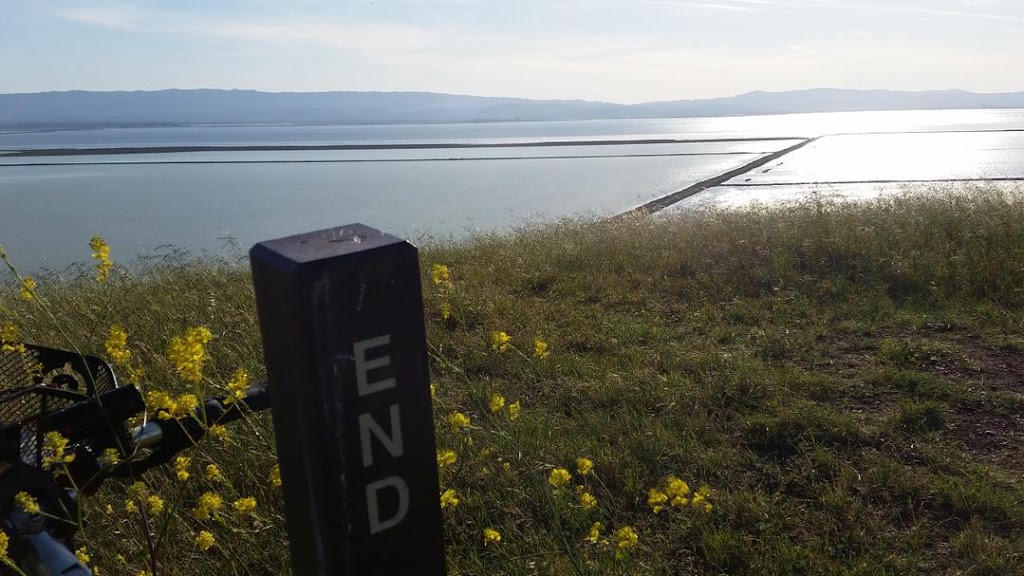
[81,108]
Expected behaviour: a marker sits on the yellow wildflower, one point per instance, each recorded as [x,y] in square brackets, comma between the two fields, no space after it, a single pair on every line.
[559,477]
[205,540]
[657,500]
[584,466]
[441,276]
[594,534]
[218,431]
[184,405]
[497,402]
[446,310]
[587,500]
[138,490]
[160,402]
[626,537]
[130,507]
[188,353]
[5,543]
[55,450]
[27,502]
[449,499]
[9,338]
[500,341]
[101,252]
[540,349]
[181,464]
[155,504]
[117,346]
[275,476]
[209,503]
[109,509]
[458,421]
[213,473]
[244,506]
[237,386]
[111,456]
[677,491]
[28,288]
[445,458]
[491,536]
[83,555]
[513,410]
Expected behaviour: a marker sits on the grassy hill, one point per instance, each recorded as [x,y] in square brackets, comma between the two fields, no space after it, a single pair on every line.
[847,381]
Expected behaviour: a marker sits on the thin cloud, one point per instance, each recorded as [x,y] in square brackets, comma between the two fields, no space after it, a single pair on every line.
[112,17]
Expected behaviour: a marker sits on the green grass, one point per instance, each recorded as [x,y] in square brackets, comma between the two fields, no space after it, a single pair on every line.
[847,379]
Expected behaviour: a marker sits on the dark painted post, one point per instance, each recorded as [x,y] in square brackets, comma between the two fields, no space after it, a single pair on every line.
[341,314]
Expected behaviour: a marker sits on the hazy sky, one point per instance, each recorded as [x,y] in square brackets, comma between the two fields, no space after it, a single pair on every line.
[613,50]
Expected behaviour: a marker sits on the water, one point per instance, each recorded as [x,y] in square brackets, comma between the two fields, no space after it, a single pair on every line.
[51,205]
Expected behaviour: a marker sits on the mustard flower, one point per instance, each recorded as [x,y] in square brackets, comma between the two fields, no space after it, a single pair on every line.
[205,540]
[491,536]
[117,345]
[244,506]
[9,338]
[587,500]
[154,504]
[441,276]
[55,450]
[446,310]
[138,490]
[594,534]
[584,466]
[559,477]
[497,403]
[625,537]
[540,349]
[275,476]
[218,432]
[181,464]
[101,252]
[130,507]
[28,288]
[513,410]
[161,403]
[677,490]
[209,504]
[445,458]
[458,421]
[184,405]
[108,510]
[188,353]
[657,500]
[449,499]
[27,502]
[111,457]
[213,473]
[237,386]
[500,341]
[83,555]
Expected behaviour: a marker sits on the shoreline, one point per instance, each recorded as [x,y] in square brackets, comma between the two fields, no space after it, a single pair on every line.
[120,150]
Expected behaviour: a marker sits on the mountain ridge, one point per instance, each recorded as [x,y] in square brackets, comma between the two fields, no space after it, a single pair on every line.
[177,106]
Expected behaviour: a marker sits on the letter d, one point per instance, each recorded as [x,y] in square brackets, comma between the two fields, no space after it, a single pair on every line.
[373,509]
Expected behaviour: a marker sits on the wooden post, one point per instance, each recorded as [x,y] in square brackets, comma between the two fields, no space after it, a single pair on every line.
[341,314]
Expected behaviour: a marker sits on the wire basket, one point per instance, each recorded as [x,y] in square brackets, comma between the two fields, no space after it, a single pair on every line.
[37,383]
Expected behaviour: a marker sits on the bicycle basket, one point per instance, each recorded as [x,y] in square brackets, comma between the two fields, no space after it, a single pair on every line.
[37,383]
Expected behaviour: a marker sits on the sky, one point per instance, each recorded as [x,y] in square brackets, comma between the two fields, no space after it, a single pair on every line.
[609,50]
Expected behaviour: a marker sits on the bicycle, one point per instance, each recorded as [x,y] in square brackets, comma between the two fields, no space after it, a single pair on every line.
[45,390]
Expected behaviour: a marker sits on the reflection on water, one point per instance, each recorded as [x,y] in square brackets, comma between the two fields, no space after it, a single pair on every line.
[48,212]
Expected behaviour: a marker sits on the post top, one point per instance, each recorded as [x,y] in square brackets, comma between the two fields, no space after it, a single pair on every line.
[323,244]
